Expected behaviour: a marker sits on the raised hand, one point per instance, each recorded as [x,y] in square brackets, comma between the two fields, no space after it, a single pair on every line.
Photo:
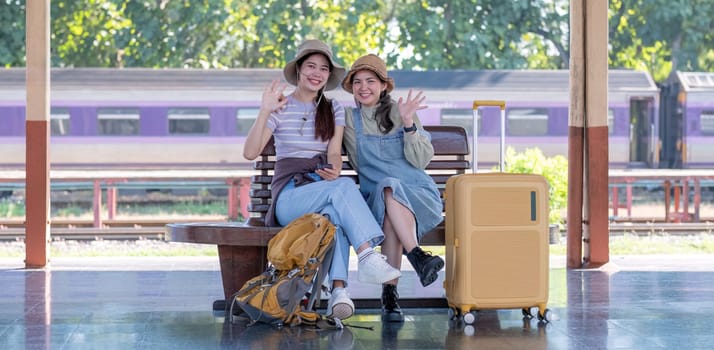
[273,98]
[408,108]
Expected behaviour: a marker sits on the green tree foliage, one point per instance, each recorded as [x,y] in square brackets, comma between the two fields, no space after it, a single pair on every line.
[182,33]
[654,35]
[662,36]
[178,33]
[117,33]
[85,33]
[546,42]
[266,33]
[481,34]
[12,33]
[196,33]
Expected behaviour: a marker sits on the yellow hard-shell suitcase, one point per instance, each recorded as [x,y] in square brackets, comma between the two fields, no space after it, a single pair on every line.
[497,253]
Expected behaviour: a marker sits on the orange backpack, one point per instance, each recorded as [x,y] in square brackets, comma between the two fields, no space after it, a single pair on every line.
[299,256]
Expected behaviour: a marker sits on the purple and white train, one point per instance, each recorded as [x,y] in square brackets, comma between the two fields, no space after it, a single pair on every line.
[161,118]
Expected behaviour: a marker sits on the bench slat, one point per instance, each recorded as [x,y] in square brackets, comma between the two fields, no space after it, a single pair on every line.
[448,165]
[261,208]
[448,140]
[264,165]
[261,179]
[224,233]
[259,193]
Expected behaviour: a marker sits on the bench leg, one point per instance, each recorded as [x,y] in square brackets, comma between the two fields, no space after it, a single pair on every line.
[239,264]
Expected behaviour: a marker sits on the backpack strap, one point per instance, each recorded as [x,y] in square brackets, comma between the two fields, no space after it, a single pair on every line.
[321,274]
[335,323]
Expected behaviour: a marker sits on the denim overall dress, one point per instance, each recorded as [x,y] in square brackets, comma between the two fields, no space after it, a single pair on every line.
[382,164]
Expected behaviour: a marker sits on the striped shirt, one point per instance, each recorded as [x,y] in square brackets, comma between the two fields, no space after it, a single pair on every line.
[294,129]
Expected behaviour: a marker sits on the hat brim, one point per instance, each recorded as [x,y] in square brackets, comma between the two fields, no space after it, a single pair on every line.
[290,70]
[347,82]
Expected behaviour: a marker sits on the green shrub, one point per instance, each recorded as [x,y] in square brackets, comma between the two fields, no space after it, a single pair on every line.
[555,171]
[10,208]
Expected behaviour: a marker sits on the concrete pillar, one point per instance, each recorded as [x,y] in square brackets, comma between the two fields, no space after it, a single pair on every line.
[588,230]
[37,160]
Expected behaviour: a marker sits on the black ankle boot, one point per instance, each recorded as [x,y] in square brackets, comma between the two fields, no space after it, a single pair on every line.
[390,309]
[426,265]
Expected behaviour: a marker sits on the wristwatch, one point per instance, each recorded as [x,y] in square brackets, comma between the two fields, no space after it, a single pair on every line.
[411,128]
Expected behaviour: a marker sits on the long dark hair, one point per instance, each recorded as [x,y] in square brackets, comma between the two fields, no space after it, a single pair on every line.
[383,111]
[324,115]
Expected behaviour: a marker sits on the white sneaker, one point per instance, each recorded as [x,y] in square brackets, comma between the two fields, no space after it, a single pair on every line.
[340,305]
[375,269]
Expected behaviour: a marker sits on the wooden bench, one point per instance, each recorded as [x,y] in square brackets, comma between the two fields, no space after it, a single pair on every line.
[242,247]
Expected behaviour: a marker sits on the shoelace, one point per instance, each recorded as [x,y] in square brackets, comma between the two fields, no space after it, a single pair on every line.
[381,256]
[390,303]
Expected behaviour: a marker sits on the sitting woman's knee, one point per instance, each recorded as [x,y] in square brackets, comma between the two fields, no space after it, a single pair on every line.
[344,184]
[344,181]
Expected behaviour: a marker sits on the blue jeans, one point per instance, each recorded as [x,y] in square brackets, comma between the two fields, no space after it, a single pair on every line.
[342,201]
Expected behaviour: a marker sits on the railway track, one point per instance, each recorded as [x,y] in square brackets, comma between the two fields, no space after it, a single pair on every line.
[90,233]
[661,228]
[112,223]
[154,229]
[83,229]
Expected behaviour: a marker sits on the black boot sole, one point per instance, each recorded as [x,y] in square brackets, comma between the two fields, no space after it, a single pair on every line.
[433,267]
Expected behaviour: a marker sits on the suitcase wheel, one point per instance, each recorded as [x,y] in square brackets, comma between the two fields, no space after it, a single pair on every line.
[530,312]
[546,317]
[470,317]
[453,313]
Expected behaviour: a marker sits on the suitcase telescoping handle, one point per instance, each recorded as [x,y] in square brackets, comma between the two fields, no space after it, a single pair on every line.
[489,103]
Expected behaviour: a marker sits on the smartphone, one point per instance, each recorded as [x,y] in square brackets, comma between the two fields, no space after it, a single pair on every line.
[323,166]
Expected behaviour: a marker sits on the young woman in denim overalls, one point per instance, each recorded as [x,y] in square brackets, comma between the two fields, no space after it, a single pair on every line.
[308,129]
[389,149]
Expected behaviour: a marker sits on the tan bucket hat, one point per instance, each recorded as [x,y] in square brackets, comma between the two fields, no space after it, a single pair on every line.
[306,48]
[370,62]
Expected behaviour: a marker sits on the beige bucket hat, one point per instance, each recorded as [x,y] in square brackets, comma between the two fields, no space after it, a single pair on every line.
[370,62]
[306,48]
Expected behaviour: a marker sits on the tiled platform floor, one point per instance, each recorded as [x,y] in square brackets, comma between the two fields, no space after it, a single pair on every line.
[636,302]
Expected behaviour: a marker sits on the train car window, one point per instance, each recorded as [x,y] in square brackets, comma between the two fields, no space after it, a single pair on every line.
[461,117]
[59,122]
[194,121]
[707,122]
[610,121]
[245,117]
[118,121]
[527,122]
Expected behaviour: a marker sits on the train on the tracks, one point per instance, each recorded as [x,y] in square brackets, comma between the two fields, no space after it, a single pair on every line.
[189,118]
